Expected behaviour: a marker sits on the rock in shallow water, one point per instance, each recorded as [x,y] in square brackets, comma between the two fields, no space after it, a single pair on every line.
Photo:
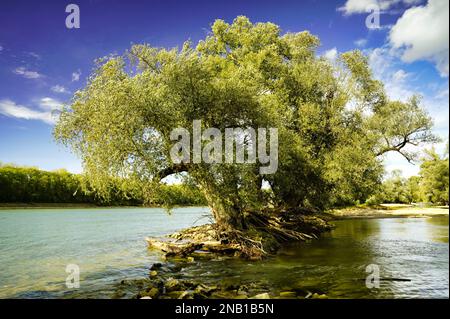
[156,266]
[173,284]
[153,292]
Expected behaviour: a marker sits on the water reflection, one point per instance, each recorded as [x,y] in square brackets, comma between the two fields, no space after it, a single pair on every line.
[439,228]
[415,229]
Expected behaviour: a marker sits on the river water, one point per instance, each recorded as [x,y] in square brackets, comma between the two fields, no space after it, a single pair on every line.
[36,245]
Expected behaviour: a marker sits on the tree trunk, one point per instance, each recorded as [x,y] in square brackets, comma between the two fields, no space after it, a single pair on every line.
[228,217]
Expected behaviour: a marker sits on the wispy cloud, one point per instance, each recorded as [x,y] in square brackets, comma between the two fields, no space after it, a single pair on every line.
[76,76]
[400,76]
[49,104]
[11,109]
[387,67]
[34,55]
[47,112]
[59,89]
[361,43]
[28,74]
[442,93]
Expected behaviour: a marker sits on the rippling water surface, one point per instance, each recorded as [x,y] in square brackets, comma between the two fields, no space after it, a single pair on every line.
[108,245]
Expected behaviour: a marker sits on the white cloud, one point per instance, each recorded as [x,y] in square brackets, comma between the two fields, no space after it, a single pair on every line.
[437,102]
[59,89]
[400,76]
[381,61]
[76,76]
[386,67]
[422,33]
[442,94]
[1,48]
[27,73]
[331,54]
[49,104]
[11,109]
[34,55]
[361,42]
[364,6]
[357,6]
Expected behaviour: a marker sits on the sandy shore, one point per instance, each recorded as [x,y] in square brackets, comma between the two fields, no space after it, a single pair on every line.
[389,211]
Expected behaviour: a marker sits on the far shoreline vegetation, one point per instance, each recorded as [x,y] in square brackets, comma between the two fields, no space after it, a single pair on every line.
[31,187]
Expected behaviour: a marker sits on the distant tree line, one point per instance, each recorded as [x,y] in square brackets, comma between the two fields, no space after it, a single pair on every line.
[431,186]
[31,185]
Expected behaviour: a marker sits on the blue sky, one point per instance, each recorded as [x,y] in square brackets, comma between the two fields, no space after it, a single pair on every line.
[42,63]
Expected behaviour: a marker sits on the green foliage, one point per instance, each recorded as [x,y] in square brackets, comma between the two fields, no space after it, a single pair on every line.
[23,184]
[414,189]
[396,189]
[434,173]
[333,119]
[431,186]
[178,195]
[31,185]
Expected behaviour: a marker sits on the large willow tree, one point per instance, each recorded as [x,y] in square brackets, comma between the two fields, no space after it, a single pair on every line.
[334,120]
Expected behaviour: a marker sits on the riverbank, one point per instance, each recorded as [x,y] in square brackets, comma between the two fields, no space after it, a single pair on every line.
[388,211]
[379,211]
[7,206]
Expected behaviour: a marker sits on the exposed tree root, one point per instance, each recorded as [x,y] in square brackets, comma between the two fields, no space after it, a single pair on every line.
[263,234]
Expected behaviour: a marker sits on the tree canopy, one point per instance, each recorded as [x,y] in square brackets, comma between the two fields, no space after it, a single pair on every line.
[334,119]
